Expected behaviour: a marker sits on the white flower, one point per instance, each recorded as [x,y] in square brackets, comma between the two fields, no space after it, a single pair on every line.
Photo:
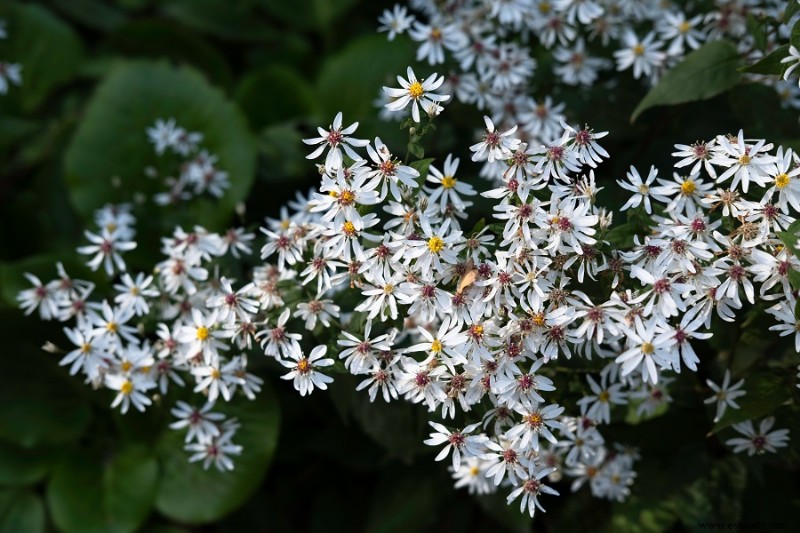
[530,489]
[794,58]
[133,294]
[494,145]
[724,395]
[202,423]
[644,55]
[304,370]
[107,247]
[396,21]
[131,390]
[757,442]
[417,93]
[337,139]
[460,442]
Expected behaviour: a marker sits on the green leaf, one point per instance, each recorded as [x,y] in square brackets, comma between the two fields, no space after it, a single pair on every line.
[403,503]
[48,49]
[112,142]
[766,391]
[19,466]
[422,166]
[222,18]
[416,150]
[159,39]
[95,14]
[189,494]
[704,73]
[770,65]
[794,39]
[21,511]
[755,26]
[308,14]
[91,492]
[791,9]
[351,79]
[790,239]
[42,405]
[297,97]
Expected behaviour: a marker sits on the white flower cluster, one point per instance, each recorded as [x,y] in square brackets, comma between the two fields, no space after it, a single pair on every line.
[10,73]
[492,46]
[378,267]
[197,169]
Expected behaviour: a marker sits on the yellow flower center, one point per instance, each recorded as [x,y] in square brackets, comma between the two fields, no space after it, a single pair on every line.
[347,197]
[436,346]
[416,90]
[436,34]
[687,187]
[644,189]
[135,291]
[349,228]
[477,330]
[638,50]
[112,327]
[215,373]
[435,244]
[285,223]
[648,348]
[86,348]
[781,180]
[538,319]
[474,471]
[544,8]
[126,366]
[111,227]
[744,160]
[202,333]
[448,182]
[303,366]
[684,27]
[603,396]
[388,288]
[127,387]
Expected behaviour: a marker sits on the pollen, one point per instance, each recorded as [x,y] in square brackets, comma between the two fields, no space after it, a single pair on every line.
[349,228]
[744,160]
[684,27]
[86,348]
[215,373]
[604,396]
[538,319]
[112,327]
[688,187]
[474,471]
[388,288]
[648,348]
[534,420]
[202,333]
[303,366]
[435,244]
[347,198]
[416,90]
[127,387]
[544,8]
[436,346]
[781,180]
[436,34]
[638,50]
[448,182]
[644,189]
[126,366]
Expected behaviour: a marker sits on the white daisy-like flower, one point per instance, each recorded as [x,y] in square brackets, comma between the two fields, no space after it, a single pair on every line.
[418,94]
[304,371]
[725,395]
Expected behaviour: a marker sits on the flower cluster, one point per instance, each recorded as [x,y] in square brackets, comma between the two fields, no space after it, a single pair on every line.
[489,46]
[10,73]
[378,275]
[197,168]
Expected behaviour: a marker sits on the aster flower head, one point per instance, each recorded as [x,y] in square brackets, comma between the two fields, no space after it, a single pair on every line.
[336,139]
[418,94]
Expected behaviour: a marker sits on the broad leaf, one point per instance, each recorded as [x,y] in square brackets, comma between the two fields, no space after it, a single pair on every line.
[93,491]
[189,494]
[19,466]
[49,51]
[111,142]
[770,65]
[704,73]
[21,511]
[297,97]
